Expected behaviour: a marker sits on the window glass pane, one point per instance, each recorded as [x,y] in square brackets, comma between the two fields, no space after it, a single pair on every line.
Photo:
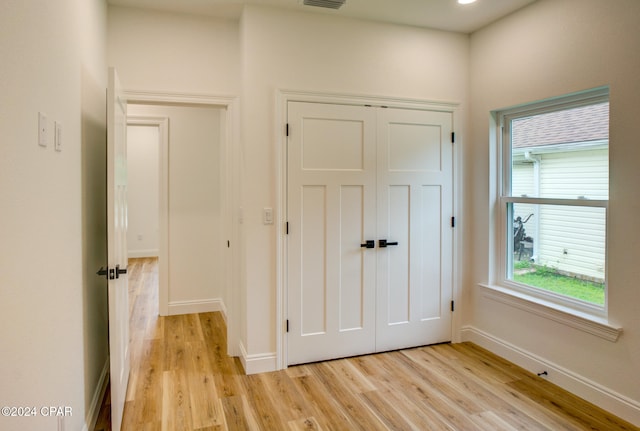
[562,154]
[559,248]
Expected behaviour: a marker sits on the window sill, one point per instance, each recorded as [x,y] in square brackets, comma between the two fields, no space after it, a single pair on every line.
[599,327]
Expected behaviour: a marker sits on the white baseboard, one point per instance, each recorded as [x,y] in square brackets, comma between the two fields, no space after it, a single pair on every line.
[96,401]
[611,401]
[143,253]
[197,306]
[257,363]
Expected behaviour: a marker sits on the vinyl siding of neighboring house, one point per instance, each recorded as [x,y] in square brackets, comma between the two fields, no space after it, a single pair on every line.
[570,239]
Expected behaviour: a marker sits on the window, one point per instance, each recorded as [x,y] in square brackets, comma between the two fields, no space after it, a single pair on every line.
[554,192]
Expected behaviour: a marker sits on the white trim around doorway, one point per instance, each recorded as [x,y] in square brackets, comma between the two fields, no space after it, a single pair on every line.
[230,305]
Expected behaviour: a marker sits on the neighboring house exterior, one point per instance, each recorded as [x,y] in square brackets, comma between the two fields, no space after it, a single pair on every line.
[563,155]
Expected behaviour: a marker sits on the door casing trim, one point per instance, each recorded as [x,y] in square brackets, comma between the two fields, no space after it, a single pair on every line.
[230,182]
[283,97]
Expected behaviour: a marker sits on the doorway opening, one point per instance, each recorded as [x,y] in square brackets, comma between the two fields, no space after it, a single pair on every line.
[194,158]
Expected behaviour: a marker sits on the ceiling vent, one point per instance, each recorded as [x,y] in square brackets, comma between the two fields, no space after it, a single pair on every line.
[329,4]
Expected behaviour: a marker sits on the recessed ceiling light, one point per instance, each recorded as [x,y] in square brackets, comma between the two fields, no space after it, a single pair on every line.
[466,1]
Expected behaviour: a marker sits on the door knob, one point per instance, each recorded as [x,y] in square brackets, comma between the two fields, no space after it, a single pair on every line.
[383,243]
[111,273]
[369,244]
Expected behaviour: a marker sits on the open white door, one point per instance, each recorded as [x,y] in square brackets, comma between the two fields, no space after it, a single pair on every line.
[117,247]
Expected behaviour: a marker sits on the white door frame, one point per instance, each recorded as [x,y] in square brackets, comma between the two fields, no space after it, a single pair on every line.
[283,97]
[118,294]
[229,179]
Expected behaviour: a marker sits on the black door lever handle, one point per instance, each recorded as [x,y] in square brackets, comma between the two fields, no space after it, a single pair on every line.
[109,273]
[120,271]
[369,244]
[383,243]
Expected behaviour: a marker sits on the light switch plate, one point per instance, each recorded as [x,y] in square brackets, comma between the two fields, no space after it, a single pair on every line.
[57,136]
[267,216]
[42,129]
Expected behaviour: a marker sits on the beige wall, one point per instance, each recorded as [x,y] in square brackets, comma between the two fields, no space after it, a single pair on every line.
[53,332]
[172,53]
[551,48]
[143,190]
[285,50]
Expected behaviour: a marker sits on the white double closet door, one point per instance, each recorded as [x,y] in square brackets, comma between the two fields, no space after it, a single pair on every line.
[358,174]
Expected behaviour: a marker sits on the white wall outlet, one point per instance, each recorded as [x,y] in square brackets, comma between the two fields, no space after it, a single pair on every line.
[57,136]
[42,129]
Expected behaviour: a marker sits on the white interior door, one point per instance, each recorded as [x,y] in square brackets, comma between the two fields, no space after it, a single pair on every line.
[415,197]
[331,212]
[359,173]
[117,247]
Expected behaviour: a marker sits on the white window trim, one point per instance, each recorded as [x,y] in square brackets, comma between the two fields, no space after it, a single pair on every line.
[578,314]
[585,322]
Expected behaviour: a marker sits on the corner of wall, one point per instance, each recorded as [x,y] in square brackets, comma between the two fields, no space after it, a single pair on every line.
[257,363]
[93,411]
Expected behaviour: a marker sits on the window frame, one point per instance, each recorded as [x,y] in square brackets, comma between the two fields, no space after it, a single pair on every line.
[503,265]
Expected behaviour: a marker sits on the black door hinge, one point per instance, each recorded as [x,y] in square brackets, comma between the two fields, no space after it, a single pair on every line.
[453,222]
[453,306]
[287,325]
[453,137]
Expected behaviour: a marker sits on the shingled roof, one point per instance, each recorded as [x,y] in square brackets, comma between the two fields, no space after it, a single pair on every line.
[583,124]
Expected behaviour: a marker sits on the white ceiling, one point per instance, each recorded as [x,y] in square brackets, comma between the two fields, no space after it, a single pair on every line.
[439,14]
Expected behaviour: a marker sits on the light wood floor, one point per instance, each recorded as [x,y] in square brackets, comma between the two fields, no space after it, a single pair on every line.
[182,379]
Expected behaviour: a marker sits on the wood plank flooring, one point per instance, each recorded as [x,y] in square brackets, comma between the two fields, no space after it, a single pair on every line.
[182,379]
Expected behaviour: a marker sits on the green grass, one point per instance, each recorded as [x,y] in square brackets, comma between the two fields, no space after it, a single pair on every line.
[548,279]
